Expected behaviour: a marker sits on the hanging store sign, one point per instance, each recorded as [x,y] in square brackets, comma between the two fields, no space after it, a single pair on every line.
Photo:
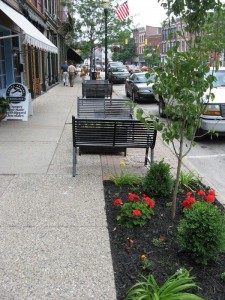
[19,100]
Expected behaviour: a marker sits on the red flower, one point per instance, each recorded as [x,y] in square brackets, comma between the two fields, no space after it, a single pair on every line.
[189,194]
[150,202]
[201,193]
[136,213]
[212,192]
[118,202]
[133,197]
[187,203]
[210,198]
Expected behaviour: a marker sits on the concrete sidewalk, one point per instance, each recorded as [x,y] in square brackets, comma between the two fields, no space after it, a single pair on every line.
[54,237]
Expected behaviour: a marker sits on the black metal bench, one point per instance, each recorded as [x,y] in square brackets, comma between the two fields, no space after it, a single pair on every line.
[112,134]
[96,89]
[103,108]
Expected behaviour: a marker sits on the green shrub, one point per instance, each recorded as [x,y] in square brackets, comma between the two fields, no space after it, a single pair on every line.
[158,181]
[173,289]
[202,232]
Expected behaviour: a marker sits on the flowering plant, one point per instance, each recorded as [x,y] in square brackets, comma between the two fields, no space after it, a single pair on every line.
[146,263]
[200,196]
[137,211]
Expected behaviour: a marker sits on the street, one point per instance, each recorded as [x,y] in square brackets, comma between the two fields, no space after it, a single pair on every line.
[207,157]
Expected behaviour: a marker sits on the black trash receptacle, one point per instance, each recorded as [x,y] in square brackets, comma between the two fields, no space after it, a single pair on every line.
[93,75]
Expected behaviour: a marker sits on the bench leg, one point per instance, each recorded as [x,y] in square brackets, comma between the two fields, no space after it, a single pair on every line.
[74,161]
[146,156]
[151,160]
[152,156]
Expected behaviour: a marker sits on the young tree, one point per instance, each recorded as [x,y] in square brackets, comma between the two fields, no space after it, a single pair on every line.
[89,24]
[183,77]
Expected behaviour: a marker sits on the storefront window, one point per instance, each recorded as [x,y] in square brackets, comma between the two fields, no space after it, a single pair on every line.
[16,59]
[2,64]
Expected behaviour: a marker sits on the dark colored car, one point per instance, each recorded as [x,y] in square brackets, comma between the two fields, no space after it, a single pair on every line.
[136,87]
[118,74]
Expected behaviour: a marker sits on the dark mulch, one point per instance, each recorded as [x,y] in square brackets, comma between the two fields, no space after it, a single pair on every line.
[166,259]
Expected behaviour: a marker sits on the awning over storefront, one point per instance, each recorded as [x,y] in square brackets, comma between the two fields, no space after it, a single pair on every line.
[73,55]
[31,35]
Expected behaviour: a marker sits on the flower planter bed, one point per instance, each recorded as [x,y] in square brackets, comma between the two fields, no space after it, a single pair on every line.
[127,246]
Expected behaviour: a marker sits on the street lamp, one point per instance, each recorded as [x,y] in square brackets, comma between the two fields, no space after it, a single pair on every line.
[105,4]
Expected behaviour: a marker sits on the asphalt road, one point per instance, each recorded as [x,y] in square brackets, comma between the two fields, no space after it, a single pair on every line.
[207,157]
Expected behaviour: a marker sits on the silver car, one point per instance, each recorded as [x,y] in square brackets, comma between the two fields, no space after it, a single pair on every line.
[213,118]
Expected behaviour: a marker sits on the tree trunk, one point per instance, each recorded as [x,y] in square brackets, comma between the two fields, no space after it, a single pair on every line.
[175,192]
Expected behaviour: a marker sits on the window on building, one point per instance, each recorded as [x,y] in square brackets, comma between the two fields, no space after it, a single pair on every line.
[51,7]
[2,64]
[38,4]
[46,4]
[16,58]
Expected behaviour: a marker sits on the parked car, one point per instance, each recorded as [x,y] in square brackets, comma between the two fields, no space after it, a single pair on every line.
[118,74]
[114,63]
[132,68]
[214,116]
[136,87]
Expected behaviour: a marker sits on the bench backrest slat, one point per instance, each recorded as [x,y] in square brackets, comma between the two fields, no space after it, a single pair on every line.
[103,108]
[96,89]
[112,133]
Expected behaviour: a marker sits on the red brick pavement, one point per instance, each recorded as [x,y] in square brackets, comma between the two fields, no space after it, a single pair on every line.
[135,160]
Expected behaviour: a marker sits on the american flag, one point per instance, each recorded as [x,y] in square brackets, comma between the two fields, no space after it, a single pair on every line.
[122,11]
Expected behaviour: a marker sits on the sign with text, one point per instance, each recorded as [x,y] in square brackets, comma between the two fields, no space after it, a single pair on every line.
[19,100]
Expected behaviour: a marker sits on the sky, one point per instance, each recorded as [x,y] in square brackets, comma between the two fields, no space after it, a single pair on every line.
[146,12]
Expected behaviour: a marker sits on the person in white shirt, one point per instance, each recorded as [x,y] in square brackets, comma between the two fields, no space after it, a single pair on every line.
[71,71]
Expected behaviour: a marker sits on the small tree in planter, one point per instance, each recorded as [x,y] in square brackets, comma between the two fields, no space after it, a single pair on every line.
[183,76]
[4,107]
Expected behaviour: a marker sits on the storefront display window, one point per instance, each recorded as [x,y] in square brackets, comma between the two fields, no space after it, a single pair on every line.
[2,64]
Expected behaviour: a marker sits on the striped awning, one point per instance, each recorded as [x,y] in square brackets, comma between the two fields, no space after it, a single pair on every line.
[31,35]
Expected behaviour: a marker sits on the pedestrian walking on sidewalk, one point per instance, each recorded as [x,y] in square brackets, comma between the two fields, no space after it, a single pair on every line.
[72,71]
[83,72]
[64,68]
